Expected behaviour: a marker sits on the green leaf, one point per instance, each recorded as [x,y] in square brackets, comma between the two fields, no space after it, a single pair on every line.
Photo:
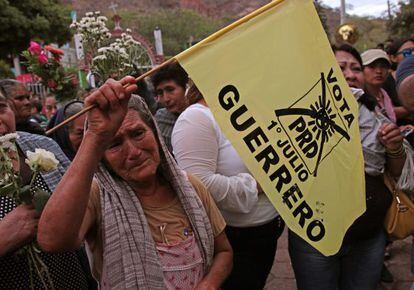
[7,189]
[25,195]
[40,199]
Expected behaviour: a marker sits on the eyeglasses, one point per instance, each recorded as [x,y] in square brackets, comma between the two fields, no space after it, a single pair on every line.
[407,52]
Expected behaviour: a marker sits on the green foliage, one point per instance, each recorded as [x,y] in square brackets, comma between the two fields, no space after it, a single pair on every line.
[21,21]
[372,31]
[177,27]
[40,198]
[5,70]
[403,23]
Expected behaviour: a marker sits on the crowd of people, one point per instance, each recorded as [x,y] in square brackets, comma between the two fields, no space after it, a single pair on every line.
[152,195]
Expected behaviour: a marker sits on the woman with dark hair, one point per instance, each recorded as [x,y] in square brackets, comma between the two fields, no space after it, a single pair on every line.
[359,261]
[69,136]
[398,50]
[376,65]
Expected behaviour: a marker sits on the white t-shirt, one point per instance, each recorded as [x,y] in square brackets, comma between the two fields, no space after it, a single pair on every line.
[201,149]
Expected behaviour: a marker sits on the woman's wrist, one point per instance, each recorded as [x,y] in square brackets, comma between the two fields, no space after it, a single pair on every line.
[96,141]
[396,153]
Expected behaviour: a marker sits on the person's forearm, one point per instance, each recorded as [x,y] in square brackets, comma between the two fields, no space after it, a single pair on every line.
[396,160]
[401,112]
[220,270]
[60,223]
[395,165]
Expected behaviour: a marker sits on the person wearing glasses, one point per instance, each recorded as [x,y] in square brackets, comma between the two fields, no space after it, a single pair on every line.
[405,83]
[18,98]
[397,51]
[400,49]
[170,84]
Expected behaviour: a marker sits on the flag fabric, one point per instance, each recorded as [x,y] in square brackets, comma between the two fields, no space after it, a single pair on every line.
[273,85]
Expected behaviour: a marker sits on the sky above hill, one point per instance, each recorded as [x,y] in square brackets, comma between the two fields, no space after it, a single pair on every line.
[363,7]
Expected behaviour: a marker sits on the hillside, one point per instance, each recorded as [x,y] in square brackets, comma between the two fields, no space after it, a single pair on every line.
[212,8]
[373,30]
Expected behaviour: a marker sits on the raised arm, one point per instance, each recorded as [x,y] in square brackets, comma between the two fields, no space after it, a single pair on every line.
[65,219]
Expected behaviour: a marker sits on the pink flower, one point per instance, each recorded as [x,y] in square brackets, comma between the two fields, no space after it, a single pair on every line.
[35,48]
[51,84]
[42,58]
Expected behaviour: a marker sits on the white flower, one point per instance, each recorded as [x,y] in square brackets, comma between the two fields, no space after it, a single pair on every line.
[89,14]
[102,18]
[99,57]
[42,160]
[128,30]
[103,49]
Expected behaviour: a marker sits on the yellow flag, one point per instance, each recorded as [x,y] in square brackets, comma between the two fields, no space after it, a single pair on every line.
[273,85]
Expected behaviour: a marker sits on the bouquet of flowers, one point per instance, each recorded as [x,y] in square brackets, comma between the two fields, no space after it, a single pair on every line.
[110,58]
[62,84]
[93,32]
[123,57]
[11,186]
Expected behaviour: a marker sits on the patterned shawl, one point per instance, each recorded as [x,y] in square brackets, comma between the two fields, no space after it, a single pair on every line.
[130,256]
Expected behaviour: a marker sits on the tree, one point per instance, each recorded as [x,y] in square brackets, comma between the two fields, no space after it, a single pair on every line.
[21,21]
[403,23]
[372,31]
[5,70]
[322,15]
[177,27]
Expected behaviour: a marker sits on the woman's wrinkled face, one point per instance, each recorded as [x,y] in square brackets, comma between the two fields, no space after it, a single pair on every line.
[7,120]
[376,73]
[20,102]
[351,69]
[134,154]
[76,129]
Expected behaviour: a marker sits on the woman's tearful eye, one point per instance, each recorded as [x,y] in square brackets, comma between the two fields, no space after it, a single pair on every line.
[116,144]
[138,134]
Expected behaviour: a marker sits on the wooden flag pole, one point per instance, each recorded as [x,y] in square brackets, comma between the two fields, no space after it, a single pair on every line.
[87,109]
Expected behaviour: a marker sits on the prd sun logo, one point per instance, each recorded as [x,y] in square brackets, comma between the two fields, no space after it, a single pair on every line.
[314,124]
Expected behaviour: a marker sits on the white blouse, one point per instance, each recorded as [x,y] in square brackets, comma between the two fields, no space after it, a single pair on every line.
[201,148]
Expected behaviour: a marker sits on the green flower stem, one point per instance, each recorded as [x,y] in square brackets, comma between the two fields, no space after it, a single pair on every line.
[35,173]
[41,268]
